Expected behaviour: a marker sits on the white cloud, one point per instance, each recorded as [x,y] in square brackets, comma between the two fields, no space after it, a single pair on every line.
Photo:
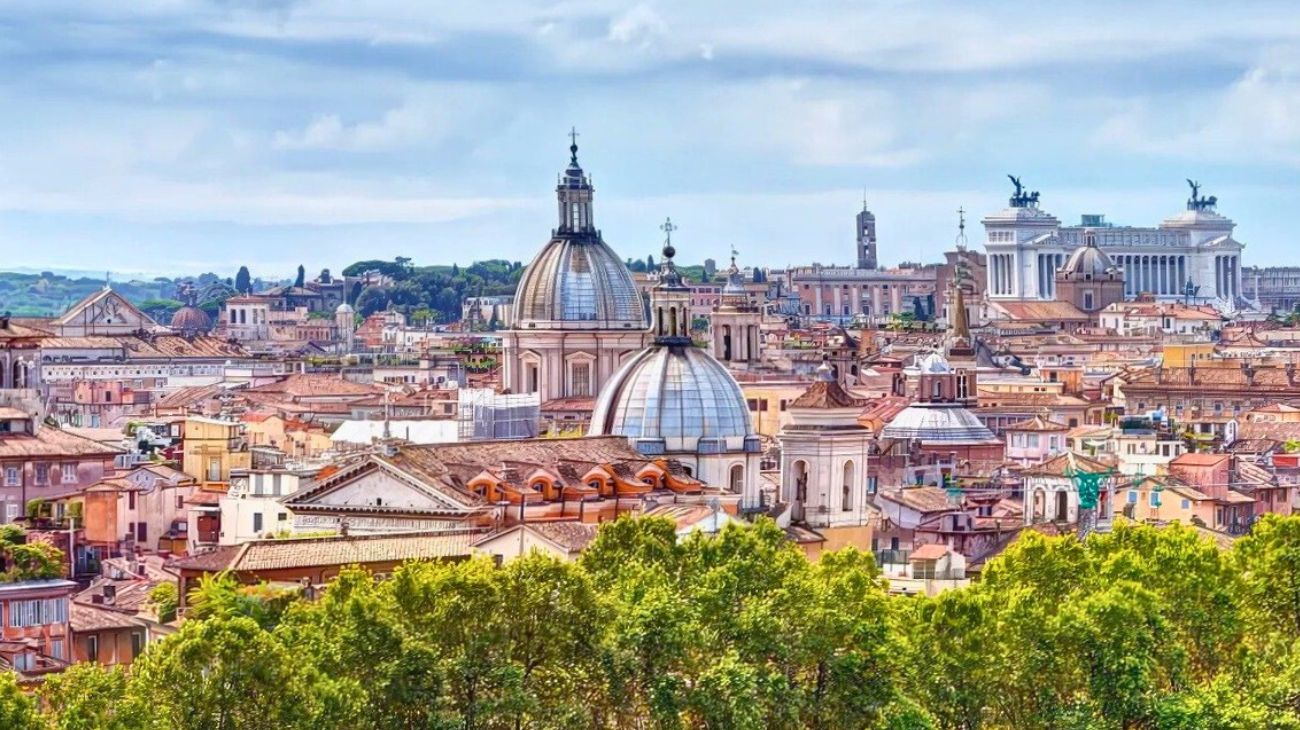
[1255,119]
[640,26]
[415,121]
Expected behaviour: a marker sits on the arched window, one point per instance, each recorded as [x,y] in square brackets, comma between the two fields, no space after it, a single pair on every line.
[846,501]
[737,480]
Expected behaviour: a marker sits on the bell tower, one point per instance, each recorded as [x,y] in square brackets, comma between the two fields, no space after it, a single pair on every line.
[866,238]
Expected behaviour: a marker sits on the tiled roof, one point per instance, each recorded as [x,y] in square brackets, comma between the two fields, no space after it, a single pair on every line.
[923,499]
[1057,466]
[86,618]
[931,551]
[51,441]
[1037,423]
[258,555]
[827,394]
[315,384]
[1043,311]
[1216,378]
[1198,459]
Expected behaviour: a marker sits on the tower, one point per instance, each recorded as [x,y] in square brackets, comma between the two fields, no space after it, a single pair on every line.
[824,454]
[734,325]
[345,321]
[866,238]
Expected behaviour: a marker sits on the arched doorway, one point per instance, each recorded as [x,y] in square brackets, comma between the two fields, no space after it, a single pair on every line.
[737,478]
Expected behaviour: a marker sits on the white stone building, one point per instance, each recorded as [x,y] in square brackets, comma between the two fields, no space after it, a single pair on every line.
[1026,245]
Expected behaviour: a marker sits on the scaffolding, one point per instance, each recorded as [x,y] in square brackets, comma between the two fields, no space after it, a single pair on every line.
[484,414]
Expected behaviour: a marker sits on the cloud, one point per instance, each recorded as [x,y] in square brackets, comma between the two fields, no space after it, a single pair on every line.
[1255,119]
[640,27]
[415,121]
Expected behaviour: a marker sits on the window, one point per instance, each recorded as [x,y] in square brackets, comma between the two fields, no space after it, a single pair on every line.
[38,612]
[137,643]
[11,511]
[257,522]
[580,379]
[56,648]
[42,474]
[23,662]
[1132,496]
[69,475]
[92,648]
[214,468]
[1154,501]
[11,476]
[282,516]
[1186,504]
[130,499]
[737,478]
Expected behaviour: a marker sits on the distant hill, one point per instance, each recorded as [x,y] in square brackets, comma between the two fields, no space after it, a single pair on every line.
[48,294]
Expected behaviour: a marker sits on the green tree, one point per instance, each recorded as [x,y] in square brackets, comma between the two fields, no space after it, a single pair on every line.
[87,696]
[221,673]
[372,299]
[243,281]
[1269,560]
[17,710]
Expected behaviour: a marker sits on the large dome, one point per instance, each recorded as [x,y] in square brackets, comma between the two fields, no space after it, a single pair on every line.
[578,283]
[677,394]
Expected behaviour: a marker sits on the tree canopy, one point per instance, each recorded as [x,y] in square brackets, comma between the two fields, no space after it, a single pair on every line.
[1138,628]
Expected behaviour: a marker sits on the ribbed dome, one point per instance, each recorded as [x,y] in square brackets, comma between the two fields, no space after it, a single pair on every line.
[578,283]
[676,393]
[938,425]
[191,320]
[1088,259]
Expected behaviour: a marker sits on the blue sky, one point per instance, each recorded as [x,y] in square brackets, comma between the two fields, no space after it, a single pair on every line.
[176,136]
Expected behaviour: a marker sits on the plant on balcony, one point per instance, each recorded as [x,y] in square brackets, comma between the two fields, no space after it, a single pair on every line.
[35,560]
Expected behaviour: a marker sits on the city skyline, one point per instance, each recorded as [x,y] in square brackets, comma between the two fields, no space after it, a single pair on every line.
[194,136]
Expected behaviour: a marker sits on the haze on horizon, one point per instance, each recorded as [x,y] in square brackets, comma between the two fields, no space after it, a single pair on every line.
[185,136]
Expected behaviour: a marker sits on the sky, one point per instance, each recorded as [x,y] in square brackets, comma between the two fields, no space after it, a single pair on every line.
[180,136]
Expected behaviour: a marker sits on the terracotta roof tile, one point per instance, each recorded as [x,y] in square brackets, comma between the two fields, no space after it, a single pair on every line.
[290,553]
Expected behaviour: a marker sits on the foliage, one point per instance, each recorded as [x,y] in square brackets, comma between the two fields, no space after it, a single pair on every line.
[17,710]
[160,309]
[33,560]
[165,598]
[11,534]
[243,281]
[1137,628]
[87,696]
[220,595]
